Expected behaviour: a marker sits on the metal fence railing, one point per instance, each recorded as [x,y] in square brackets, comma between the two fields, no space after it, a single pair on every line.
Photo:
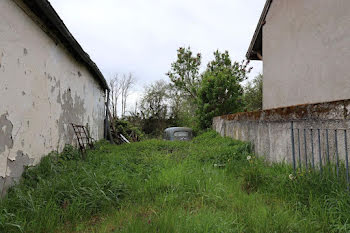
[315,148]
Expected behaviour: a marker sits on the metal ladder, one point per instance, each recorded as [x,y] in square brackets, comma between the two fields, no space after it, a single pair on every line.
[83,138]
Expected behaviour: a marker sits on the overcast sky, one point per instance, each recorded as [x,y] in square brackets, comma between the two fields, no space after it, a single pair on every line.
[142,36]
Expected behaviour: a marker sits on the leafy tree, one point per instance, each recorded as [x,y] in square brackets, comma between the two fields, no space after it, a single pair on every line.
[253,94]
[154,102]
[216,92]
[154,107]
[220,92]
[184,72]
[182,109]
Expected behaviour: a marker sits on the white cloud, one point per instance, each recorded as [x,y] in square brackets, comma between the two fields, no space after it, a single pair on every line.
[142,36]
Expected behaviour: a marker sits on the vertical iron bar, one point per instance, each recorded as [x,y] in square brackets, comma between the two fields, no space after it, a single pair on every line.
[346,157]
[299,149]
[305,148]
[328,160]
[293,148]
[312,148]
[319,149]
[336,150]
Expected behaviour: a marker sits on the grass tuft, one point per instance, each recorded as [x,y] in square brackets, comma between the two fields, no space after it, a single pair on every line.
[211,184]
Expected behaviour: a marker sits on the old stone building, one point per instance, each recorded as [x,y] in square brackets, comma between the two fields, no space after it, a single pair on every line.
[47,81]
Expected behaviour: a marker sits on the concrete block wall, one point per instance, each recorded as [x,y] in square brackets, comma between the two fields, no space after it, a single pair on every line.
[270,130]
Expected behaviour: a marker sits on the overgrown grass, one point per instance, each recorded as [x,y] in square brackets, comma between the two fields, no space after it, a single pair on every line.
[207,185]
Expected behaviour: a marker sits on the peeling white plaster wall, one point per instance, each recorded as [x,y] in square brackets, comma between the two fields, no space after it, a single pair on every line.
[42,89]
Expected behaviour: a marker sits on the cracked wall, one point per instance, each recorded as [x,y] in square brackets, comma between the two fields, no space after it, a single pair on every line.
[42,90]
[270,130]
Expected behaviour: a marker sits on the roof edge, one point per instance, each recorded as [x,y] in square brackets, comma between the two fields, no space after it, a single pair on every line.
[256,42]
[47,14]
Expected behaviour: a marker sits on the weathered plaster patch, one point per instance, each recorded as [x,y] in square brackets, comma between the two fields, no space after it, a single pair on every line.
[59,100]
[57,85]
[6,127]
[2,183]
[6,142]
[7,183]
[17,166]
[49,77]
[2,55]
[72,112]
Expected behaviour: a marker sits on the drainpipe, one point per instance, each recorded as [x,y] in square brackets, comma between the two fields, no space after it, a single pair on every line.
[106,118]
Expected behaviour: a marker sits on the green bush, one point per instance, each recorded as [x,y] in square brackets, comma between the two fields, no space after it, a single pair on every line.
[70,153]
[252,97]
[132,133]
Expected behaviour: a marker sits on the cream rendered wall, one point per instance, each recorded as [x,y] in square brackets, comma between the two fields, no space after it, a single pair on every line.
[42,89]
[306,49]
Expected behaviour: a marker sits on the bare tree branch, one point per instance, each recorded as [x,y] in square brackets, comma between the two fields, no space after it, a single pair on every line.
[127,83]
[115,86]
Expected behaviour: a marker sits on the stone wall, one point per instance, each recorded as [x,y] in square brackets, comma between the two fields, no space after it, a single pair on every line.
[270,130]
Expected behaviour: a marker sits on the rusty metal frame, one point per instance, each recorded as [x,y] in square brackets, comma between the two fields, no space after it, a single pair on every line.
[83,138]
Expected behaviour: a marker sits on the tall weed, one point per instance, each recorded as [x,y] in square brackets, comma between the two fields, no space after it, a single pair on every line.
[211,184]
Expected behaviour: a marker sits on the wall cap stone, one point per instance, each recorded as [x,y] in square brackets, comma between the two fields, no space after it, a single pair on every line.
[335,110]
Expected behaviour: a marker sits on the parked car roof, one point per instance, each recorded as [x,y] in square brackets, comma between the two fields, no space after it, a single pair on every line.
[178,129]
